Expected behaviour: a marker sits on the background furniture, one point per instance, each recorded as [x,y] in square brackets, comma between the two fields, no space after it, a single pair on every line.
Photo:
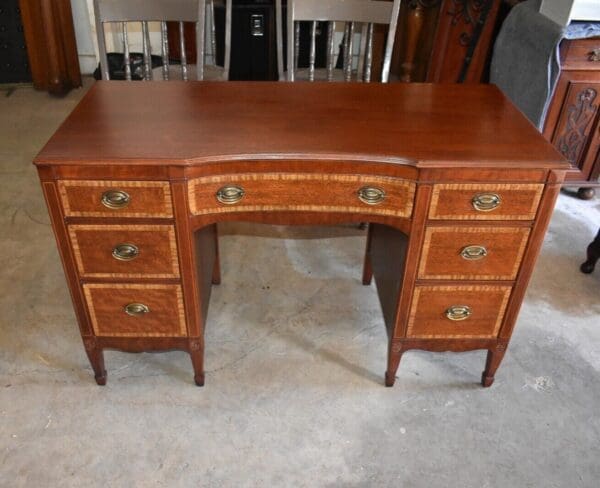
[573,121]
[456,222]
[351,14]
[163,11]
[593,254]
[51,48]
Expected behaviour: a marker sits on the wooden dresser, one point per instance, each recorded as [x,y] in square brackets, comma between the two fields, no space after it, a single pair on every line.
[573,121]
[457,186]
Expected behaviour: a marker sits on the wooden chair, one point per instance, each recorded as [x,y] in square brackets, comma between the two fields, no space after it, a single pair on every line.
[354,15]
[163,11]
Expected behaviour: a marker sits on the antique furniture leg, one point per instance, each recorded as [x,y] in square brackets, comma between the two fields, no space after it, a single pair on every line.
[368,266]
[394,355]
[216,273]
[96,357]
[593,254]
[197,355]
[586,193]
[494,358]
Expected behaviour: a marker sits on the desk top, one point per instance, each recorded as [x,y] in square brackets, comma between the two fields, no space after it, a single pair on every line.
[185,123]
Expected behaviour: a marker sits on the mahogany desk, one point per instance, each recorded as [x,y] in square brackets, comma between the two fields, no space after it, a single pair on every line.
[456,183]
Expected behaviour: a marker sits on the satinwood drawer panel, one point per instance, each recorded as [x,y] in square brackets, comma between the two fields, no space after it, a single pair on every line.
[125,251]
[457,311]
[472,253]
[116,198]
[473,201]
[136,310]
[301,192]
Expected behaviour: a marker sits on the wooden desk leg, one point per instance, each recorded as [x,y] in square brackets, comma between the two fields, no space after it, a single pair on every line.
[394,355]
[96,357]
[593,254]
[216,273]
[197,355]
[368,266]
[494,358]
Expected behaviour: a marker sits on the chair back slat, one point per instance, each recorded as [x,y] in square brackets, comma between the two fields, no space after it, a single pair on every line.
[369,11]
[126,52]
[368,54]
[182,53]
[330,49]
[146,51]
[313,48]
[164,49]
[149,10]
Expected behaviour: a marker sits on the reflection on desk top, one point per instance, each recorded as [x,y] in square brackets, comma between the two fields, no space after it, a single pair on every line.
[189,123]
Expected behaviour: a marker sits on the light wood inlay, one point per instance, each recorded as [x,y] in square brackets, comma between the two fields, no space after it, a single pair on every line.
[441,259]
[427,319]
[301,192]
[148,198]
[453,201]
[106,305]
[93,244]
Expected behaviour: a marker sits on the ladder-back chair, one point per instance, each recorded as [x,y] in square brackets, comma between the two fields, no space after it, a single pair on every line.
[353,15]
[144,11]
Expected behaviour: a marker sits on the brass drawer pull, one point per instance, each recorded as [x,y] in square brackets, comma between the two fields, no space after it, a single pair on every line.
[115,199]
[371,195]
[125,252]
[486,202]
[136,309]
[458,312]
[230,194]
[594,55]
[473,253]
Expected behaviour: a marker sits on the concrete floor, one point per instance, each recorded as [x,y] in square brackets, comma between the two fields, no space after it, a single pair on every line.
[295,359]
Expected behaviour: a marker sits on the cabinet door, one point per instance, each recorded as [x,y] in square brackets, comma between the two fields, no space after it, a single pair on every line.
[576,128]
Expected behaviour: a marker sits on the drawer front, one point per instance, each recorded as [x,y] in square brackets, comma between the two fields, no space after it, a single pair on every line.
[472,253]
[583,54]
[255,192]
[485,201]
[457,311]
[136,310]
[125,251]
[116,198]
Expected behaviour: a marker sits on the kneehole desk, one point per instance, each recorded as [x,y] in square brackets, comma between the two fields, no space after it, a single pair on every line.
[456,185]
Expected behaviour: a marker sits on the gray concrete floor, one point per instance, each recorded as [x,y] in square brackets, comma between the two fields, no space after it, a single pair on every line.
[295,360]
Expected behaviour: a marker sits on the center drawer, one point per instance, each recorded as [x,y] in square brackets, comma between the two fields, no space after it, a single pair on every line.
[125,251]
[309,192]
[472,253]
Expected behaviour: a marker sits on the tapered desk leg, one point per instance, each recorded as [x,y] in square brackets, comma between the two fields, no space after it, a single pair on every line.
[96,357]
[394,355]
[197,356]
[368,266]
[216,272]
[494,358]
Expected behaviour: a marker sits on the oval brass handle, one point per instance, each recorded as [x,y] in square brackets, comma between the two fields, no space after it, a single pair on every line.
[458,312]
[136,309]
[594,55]
[115,199]
[473,253]
[125,252]
[371,195]
[486,202]
[230,194]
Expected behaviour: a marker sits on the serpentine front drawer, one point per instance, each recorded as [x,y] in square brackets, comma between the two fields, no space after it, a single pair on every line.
[136,310]
[473,201]
[472,253]
[125,251]
[311,192]
[457,311]
[116,198]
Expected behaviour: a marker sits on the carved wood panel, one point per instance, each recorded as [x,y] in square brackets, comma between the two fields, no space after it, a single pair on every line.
[576,122]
